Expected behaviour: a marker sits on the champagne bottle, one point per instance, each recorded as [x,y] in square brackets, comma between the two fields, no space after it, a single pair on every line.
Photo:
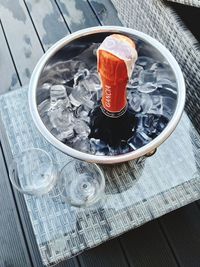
[112,121]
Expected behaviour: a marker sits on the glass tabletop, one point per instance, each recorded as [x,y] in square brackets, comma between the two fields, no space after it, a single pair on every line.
[136,191]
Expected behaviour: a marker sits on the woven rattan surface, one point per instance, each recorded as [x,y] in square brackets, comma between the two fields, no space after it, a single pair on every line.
[136,191]
[161,22]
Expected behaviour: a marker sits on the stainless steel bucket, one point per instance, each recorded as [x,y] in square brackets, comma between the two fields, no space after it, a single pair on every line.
[94,33]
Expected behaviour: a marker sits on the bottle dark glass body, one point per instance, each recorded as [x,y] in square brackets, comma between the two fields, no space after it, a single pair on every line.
[112,130]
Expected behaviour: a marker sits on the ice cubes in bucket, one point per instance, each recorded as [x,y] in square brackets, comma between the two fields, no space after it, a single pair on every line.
[73,88]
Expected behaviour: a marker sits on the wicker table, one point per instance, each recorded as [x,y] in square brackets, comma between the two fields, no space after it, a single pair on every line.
[136,192]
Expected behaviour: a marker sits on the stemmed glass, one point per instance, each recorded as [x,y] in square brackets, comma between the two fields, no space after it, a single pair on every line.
[81,183]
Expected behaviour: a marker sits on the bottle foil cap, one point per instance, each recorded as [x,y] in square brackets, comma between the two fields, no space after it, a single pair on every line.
[119,46]
[116,57]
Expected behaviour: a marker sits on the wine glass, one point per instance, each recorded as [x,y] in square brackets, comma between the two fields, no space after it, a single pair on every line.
[33,172]
[81,183]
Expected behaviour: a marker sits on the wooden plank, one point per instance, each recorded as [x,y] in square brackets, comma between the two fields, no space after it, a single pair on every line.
[78,14]
[22,38]
[69,263]
[198,203]
[182,230]
[13,251]
[9,79]
[146,246]
[108,254]
[48,21]
[106,12]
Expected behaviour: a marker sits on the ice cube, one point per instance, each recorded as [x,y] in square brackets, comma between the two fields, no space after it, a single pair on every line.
[80,95]
[139,102]
[47,122]
[138,140]
[151,124]
[168,85]
[82,112]
[80,76]
[43,92]
[157,106]
[81,144]
[165,73]
[157,65]
[81,128]
[146,102]
[147,87]
[133,83]
[57,92]
[162,105]
[169,105]
[135,101]
[92,82]
[46,86]
[145,62]
[67,134]
[61,119]
[136,71]
[44,107]
[147,81]
[99,147]
[96,97]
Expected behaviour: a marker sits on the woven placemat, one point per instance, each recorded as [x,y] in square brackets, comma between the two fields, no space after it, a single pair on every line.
[136,191]
[158,19]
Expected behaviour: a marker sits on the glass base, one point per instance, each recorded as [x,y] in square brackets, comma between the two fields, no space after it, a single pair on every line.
[81,183]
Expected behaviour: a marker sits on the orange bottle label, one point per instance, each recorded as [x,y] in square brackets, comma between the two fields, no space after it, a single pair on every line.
[116,57]
[114,79]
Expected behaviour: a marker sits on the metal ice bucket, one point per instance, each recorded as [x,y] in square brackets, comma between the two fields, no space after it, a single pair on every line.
[97,34]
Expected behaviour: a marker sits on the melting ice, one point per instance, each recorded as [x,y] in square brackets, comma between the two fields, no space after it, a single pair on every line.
[73,88]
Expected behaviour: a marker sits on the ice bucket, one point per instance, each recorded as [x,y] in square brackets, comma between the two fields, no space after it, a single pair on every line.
[65,49]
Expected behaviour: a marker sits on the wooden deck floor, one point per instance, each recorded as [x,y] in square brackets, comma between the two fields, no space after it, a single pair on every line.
[27,29]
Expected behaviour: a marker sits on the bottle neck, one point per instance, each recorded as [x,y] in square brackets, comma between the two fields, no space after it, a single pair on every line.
[114,114]
[113,73]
